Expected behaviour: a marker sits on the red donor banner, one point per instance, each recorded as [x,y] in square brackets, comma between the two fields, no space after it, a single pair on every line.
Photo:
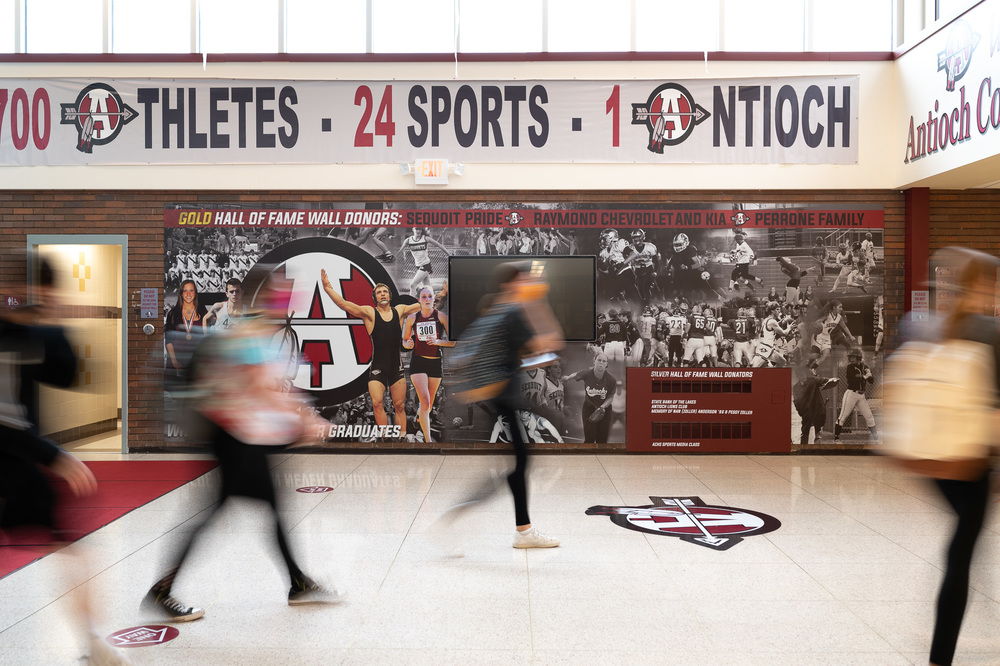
[527,216]
[144,636]
[710,410]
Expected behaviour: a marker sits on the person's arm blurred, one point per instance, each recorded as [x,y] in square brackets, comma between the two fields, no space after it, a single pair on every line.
[542,321]
[79,477]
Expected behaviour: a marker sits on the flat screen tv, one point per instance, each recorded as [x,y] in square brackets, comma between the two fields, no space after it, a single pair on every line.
[572,290]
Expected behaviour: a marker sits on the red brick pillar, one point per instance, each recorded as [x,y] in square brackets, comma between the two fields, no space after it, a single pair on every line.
[916,251]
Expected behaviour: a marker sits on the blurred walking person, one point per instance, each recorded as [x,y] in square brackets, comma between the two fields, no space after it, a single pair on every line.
[237,405]
[941,393]
[34,353]
[968,498]
[524,326]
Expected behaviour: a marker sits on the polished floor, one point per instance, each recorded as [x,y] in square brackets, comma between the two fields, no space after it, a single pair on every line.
[849,577]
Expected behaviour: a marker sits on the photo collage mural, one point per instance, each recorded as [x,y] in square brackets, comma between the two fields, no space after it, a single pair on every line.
[696,286]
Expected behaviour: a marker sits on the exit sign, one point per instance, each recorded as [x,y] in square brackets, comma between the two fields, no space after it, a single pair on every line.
[430,172]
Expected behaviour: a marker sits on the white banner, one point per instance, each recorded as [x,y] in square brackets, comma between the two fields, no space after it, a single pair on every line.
[951,96]
[812,120]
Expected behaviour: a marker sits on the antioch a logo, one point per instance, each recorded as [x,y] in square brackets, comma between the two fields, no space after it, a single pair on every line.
[99,115]
[691,520]
[325,350]
[670,115]
[957,54]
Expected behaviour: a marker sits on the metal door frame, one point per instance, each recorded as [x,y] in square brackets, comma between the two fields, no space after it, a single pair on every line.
[34,240]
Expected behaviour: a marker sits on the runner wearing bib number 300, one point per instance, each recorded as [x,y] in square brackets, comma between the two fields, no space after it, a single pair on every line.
[422,333]
[386,371]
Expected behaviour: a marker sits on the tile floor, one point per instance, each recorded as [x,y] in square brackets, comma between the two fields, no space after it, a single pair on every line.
[849,577]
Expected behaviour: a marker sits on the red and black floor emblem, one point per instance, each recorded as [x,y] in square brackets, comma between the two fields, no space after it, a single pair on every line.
[691,520]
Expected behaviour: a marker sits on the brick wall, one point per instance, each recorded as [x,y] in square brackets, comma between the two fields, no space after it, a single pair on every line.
[140,215]
[970,215]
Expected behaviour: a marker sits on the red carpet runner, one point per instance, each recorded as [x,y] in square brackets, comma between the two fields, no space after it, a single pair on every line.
[121,487]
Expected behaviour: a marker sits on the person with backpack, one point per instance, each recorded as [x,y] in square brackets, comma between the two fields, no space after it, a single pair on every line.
[941,406]
[514,320]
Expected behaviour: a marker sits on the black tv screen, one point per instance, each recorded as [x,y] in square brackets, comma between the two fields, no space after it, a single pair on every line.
[572,290]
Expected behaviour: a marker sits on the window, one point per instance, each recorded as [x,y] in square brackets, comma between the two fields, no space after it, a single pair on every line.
[64,26]
[677,25]
[8,27]
[762,25]
[239,26]
[429,26]
[406,26]
[141,26]
[590,25]
[326,27]
[514,26]
[837,26]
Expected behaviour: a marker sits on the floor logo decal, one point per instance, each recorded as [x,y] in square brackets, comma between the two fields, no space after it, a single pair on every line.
[144,636]
[691,520]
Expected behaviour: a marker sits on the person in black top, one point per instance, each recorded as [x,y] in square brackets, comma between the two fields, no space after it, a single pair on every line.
[600,387]
[182,328]
[32,353]
[858,377]
[520,299]
[384,324]
[809,401]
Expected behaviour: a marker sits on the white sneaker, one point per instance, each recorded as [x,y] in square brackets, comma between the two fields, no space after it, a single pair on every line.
[532,538]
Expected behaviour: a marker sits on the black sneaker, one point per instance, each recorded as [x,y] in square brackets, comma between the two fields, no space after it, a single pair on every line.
[172,610]
[386,257]
[308,591]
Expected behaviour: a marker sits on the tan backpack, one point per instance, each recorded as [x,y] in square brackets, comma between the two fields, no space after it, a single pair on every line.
[939,415]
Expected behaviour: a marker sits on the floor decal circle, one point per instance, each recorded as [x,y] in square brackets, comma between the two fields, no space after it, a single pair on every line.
[144,636]
[691,520]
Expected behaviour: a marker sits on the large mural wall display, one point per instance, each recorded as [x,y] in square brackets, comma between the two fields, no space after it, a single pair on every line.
[685,294]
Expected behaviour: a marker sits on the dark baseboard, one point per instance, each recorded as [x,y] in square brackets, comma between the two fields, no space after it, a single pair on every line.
[80,432]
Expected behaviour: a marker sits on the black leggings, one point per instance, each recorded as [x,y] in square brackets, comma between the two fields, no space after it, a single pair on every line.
[245,473]
[969,499]
[517,479]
